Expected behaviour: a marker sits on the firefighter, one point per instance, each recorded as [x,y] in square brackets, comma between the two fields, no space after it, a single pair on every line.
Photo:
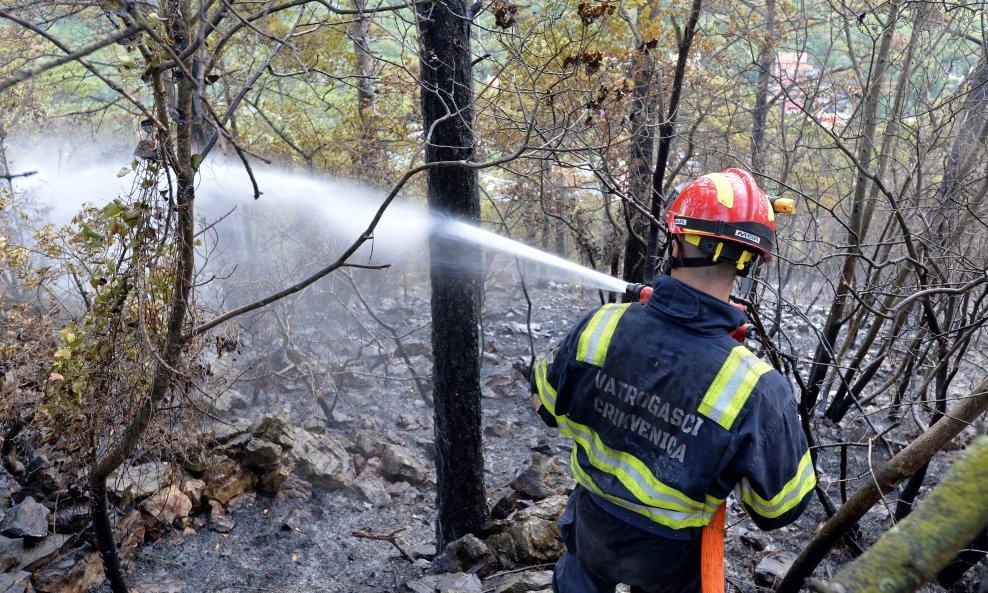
[668,413]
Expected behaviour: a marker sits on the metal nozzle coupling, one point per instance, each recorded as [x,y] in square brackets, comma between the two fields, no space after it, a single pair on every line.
[638,292]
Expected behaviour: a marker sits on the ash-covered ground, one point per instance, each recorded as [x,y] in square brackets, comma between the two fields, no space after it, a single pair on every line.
[309,544]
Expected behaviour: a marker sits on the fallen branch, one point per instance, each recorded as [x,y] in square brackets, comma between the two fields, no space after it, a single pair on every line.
[388,537]
[897,469]
[917,548]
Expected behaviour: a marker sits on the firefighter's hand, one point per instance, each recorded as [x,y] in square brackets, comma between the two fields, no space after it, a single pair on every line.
[536,402]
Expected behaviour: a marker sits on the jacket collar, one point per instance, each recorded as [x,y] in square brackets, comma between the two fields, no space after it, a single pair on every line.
[684,305]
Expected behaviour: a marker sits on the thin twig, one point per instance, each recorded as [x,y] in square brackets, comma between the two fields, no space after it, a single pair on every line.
[388,537]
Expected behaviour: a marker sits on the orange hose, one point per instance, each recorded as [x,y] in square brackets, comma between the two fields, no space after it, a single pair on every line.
[712,553]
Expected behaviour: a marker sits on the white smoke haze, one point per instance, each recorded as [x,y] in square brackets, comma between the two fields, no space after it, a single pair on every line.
[301,221]
[345,210]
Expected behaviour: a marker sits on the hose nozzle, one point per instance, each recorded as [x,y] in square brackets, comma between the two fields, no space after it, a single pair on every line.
[639,293]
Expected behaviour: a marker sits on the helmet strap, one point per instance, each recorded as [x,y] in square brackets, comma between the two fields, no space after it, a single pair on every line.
[715,252]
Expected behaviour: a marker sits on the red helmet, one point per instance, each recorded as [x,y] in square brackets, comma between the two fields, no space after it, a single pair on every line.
[728,206]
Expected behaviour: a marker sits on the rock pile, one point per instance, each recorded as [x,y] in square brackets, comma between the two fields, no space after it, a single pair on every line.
[35,554]
[44,545]
[523,533]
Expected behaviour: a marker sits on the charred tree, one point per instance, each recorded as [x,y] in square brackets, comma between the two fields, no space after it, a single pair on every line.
[666,131]
[644,105]
[447,117]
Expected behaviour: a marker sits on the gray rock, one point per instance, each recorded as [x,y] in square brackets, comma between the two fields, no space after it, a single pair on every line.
[158,585]
[322,460]
[372,489]
[368,444]
[314,425]
[531,481]
[43,552]
[504,428]
[18,581]
[501,385]
[773,567]
[458,583]
[319,458]
[427,551]
[261,454]
[222,523]
[520,328]
[276,429]
[11,551]
[524,582]
[28,519]
[229,403]
[224,433]
[139,481]
[530,535]
[758,540]
[467,554]
[426,584]
[401,465]
[71,518]
[544,476]
[75,572]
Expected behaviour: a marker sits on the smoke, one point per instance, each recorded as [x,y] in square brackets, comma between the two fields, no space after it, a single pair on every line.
[301,223]
[336,212]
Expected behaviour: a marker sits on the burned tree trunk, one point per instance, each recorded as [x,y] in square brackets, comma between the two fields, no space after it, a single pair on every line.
[666,132]
[643,107]
[447,116]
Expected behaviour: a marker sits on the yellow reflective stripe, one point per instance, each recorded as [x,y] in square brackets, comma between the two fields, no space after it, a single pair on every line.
[629,470]
[596,337]
[725,191]
[788,497]
[669,518]
[731,387]
[547,393]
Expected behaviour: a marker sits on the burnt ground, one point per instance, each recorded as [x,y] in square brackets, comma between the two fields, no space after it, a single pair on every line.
[295,544]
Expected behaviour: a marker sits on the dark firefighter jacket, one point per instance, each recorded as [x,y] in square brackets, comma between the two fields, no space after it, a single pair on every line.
[669,413]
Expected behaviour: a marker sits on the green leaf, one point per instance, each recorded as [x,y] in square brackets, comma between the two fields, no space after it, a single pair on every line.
[196,161]
[123,171]
[112,209]
[89,233]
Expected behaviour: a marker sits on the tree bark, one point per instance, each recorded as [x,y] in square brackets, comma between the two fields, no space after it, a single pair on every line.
[447,115]
[644,105]
[897,469]
[759,115]
[359,32]
[666,130]
[911,553]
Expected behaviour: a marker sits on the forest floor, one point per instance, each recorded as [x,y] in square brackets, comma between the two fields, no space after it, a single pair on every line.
[290,544]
